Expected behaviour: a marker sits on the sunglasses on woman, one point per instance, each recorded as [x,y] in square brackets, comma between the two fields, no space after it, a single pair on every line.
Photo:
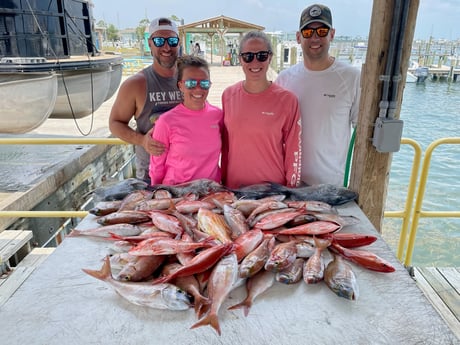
[160,41]
[260,56]
[205,84]
[321,32]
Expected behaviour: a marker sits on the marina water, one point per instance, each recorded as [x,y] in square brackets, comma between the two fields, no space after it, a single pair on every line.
[430,111]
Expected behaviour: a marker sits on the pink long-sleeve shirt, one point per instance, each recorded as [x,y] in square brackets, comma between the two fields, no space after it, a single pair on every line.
[262,137]
[193,145]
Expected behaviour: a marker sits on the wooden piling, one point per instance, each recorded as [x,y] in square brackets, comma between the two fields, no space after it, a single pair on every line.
[370,168]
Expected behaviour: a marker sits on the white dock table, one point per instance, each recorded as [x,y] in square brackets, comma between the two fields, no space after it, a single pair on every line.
[59,304]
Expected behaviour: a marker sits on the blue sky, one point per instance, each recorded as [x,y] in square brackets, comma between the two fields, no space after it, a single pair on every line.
[438,18]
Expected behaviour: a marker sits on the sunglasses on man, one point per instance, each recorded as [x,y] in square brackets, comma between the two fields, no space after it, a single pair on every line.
[321,32]
[260,56]
[205,84]
[160,41]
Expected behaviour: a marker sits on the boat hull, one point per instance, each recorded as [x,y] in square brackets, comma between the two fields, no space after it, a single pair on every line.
[80,94]
[26,102]
[55,37]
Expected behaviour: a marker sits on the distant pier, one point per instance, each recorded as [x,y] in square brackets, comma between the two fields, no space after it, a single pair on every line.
[443,72]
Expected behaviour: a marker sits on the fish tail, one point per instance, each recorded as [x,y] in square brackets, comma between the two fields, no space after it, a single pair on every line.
[104,273]
[211,319]
[74,233]
[322,243]
[199,303]
[276,187]
[115,236]
[245,305]
[161,280]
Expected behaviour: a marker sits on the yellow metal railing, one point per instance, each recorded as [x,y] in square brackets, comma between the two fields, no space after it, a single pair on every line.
[405,214]
[62,141]
[420,194]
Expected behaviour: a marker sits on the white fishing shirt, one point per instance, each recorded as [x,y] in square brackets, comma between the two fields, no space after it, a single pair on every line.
[329,104]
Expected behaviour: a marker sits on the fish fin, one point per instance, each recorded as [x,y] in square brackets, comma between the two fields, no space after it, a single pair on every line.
[104,273]
[245,305]
[74,233]
[201,303]
[211,319]
[115,236]
[163,279]
[322,243]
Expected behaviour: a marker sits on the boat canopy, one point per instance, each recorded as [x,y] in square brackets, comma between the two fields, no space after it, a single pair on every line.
[51,29]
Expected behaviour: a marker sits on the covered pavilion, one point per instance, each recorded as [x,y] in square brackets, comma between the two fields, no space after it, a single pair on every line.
[221,26]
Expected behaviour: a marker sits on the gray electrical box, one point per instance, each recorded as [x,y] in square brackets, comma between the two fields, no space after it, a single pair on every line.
[387,134]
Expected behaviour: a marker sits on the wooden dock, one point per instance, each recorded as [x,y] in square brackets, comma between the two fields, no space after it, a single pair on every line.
[442,288]
[441,72]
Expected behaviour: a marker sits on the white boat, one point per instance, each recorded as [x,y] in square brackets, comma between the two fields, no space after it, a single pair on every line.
[26,103]
[410,78]
[64,45]
[79,94]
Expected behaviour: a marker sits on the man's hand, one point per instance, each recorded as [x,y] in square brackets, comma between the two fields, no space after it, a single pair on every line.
[152,146]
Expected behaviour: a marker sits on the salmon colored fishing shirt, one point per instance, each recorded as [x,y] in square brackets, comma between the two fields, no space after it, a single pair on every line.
[193,145]
[262,137]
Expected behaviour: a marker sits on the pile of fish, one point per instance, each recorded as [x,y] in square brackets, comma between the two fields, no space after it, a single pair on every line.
[190,245]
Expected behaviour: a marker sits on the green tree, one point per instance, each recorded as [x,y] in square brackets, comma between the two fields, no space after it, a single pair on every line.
[143,24]
[175,18]
[112,33]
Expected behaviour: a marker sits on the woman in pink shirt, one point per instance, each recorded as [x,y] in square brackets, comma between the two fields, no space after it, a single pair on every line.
[191,131]
[261,141]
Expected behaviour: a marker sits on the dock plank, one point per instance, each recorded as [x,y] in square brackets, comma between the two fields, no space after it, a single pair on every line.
[21,272]
[452,274]
[442,295]
[11,241]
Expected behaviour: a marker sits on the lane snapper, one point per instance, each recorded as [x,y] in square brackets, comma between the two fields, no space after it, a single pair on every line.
[275,220]
[130,201]
[312,206]
[256,259]
[168,246]
[140,268]
[247,242]
[166,222]
[339,277]
[268,205]
[189,284]
[313,270]
[129,216]
[235,220]
[291,274]
[318,227]
[121,229]
[103,208]
[282,256]
[161,296]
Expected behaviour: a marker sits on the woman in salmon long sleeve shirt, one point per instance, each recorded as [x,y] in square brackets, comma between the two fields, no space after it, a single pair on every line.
[261,141]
